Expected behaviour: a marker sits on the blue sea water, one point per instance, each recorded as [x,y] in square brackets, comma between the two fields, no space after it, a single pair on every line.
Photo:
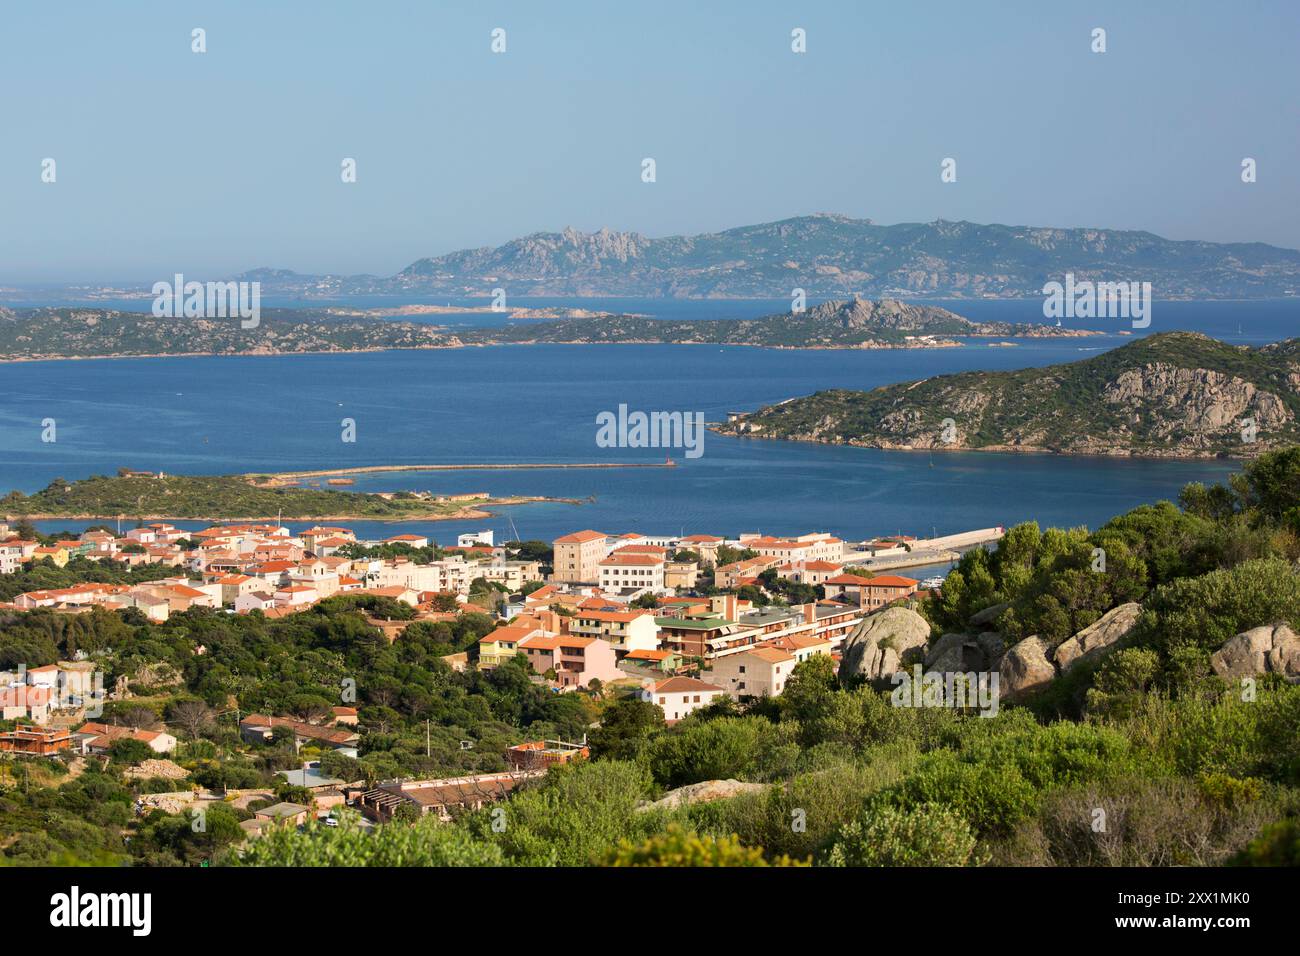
[539,404]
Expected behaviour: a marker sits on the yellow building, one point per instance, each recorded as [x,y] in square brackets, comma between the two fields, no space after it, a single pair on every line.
[502,644]
[55,552]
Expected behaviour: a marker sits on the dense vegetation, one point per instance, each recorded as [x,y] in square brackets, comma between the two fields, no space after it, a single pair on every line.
[1141,758]
[226,497]
[1170,394]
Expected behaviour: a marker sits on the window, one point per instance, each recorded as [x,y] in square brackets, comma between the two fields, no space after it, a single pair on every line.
[742,668]
[663,700]
[697,698]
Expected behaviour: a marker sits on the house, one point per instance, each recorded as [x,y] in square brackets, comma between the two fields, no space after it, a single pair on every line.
[458,662]
[816,546]
[706,636]
[440,797]
[576,661]
[293,813]
[311,778]
[800,646]
[97,738]
[578,556]
[631,569]
[808,572]
[870,593]
[254,601]
[296,595]
[14,553]
[345,716]
[665,661]
[730,575]
[756,672]
[410,540]
[396,592]
[235,586]
[54,552]
[541,754]
[260,728]
[624,630]
[35,742]
[678,697]
[681,574]
[705,545]
[502,644]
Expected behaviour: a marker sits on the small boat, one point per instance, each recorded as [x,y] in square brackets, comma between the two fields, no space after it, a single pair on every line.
[931,583]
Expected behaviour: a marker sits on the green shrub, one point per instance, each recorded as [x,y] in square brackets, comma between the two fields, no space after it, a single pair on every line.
[927,835]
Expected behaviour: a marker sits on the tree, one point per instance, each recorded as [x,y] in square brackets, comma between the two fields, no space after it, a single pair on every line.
[193,715]
[811,689]
[625,729]
[130,751]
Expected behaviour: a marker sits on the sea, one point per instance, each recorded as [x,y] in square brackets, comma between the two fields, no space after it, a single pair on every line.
[539,404]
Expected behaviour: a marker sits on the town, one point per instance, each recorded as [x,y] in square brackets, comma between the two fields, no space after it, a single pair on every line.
[679,622]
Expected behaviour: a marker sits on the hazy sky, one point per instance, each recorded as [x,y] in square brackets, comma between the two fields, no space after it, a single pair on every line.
[168,160]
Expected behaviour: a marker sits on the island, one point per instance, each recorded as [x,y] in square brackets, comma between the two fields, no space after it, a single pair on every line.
[164,497]
[1170,395]
[83,333]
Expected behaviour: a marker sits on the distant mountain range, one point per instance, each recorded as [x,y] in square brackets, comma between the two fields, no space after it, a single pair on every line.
[826,255]
[1175,394]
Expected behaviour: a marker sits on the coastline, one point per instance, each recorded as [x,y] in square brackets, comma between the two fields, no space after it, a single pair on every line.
[1115,453]
[469,513]
[944,343]
[265,479]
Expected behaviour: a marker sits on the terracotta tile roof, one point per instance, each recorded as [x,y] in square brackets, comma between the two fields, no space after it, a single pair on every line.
[580,537]
[620,558]
[893,581]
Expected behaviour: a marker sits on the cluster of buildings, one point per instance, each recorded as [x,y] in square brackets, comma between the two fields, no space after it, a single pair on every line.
[615,607]
[259,567]
[621,606]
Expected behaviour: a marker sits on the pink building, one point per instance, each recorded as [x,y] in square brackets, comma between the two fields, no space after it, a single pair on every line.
[577,661]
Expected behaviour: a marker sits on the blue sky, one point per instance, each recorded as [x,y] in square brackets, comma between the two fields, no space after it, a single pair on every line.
[173,161]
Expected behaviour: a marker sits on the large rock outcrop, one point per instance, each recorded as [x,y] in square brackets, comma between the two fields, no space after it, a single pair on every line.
[1270,649]
[1098,637]
[988,615]
[1025,668]
[702,792]
[883,643]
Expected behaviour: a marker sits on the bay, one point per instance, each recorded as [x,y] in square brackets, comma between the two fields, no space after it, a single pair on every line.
[503,404]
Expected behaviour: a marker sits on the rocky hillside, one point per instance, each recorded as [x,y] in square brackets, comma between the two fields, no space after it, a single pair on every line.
[829,255]
[1177,394]
[856,323]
